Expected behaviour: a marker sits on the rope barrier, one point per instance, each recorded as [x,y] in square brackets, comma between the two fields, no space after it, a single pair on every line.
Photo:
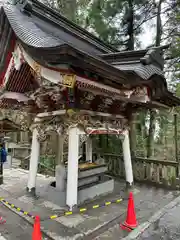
[65,213]
[16,208]
[83,210]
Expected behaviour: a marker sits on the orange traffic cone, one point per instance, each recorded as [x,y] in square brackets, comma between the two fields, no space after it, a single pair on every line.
[131,222]
[37,229]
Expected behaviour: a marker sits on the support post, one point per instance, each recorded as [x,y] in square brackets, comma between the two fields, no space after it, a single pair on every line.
[72,174]
[60,168]
[60,149]
[1,173]
[89,149]
[176,144]
[34,159]
[127,159]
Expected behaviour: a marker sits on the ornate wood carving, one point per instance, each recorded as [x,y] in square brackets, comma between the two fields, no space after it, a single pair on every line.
[45,128]
[46,93]
[61,124]
[19,117]
[82,138]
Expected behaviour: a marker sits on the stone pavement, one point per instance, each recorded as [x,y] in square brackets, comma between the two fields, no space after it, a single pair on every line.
[15,228]
[167,227]
[164,224]
[147,202]
[102,223]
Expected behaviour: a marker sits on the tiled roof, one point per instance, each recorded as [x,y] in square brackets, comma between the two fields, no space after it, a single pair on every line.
[26,29]
[143,71]
[45,32]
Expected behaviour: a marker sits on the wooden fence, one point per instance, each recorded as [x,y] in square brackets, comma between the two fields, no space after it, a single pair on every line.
[158,172]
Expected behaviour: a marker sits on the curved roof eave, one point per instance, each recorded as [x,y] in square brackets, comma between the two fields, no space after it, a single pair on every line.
[33,37]
[27,31]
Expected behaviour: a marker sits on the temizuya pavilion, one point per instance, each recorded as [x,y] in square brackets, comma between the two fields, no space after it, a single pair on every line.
[76,85]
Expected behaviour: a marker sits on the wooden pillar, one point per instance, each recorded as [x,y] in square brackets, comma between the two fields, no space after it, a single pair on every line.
[34,159]
[89,149]
[127,159]
[176,143]
[60,168]
[60,149]
[72,174]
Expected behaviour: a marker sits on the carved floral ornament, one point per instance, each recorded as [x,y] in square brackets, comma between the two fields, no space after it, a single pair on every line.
[18,117]
[61,124]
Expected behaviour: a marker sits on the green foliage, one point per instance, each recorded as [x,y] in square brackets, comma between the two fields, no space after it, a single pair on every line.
[116,21]
[47,162]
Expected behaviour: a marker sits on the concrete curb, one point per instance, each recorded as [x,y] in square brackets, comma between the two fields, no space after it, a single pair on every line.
[144,226]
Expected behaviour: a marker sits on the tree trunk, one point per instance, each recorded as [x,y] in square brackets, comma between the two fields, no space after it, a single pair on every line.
[158,24]
[132,134]
[152,124]
[150,139]
[130,43]
[130,46]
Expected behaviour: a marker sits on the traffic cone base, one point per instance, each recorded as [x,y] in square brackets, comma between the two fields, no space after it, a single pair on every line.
[124,227]
[127,227]
[130,223]
[2,221]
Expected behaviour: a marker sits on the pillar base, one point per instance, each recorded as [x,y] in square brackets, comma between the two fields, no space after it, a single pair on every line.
[60,177]
[129,186]
[73,209]
[1,173]
[1,179]
[31,192]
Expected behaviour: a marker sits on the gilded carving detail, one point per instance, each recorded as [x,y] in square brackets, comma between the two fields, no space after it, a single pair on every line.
[68,80]
[37,69]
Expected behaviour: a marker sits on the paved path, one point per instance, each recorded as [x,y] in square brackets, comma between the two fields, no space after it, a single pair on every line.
[147,206]
[166,228]
[93,223]
[15,226]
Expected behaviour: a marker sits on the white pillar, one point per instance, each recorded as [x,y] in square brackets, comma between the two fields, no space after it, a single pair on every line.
[72,171]
[34,159]
[89,149]
[127,158]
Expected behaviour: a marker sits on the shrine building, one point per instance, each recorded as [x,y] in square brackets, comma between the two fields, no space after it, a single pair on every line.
[71,82]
